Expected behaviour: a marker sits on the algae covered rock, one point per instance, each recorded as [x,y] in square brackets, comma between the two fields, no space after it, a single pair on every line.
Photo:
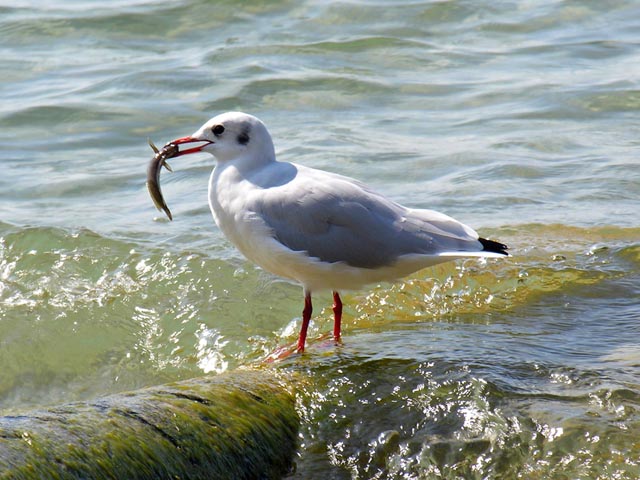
[239,425]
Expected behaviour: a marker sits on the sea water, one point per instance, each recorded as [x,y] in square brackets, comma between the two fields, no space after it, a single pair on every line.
[520,119]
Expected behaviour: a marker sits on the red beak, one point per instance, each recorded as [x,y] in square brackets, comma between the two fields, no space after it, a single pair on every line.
[187,151]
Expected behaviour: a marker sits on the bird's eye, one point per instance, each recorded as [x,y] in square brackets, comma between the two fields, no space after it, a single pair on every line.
[218,129]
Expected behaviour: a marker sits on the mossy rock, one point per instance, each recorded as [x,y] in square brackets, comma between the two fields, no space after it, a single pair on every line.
[239,425]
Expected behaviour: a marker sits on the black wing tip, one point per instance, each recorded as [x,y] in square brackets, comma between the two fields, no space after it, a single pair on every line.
[495,247]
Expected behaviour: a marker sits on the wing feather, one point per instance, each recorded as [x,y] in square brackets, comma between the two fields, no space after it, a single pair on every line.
[338,219]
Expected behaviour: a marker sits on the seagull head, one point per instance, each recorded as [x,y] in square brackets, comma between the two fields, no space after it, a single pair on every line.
[231,136]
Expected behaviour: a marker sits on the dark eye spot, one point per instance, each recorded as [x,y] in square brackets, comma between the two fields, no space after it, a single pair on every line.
[243,137]
[218,130]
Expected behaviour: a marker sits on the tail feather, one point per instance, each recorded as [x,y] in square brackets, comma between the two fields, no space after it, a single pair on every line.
[495,247]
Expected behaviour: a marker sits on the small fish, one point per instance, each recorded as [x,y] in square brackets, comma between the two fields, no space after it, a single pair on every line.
[158,161]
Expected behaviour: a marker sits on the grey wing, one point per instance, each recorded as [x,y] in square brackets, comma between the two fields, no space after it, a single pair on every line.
[340,220]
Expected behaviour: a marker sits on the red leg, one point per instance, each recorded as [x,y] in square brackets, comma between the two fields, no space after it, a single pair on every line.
[337,316]
[306,316]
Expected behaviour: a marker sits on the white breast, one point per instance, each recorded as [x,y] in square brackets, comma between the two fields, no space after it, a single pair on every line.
[230,203]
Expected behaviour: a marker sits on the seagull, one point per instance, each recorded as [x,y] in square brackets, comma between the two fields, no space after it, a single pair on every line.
[325,231]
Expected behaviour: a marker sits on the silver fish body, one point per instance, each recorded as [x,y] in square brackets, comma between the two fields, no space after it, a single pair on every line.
[158,161]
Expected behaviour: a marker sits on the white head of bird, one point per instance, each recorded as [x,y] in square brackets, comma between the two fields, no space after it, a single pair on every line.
[234,135]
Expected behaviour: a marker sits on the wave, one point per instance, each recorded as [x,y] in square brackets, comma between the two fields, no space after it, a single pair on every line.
[60,285]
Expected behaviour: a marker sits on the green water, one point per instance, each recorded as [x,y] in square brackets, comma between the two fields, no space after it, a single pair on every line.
[518,118]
